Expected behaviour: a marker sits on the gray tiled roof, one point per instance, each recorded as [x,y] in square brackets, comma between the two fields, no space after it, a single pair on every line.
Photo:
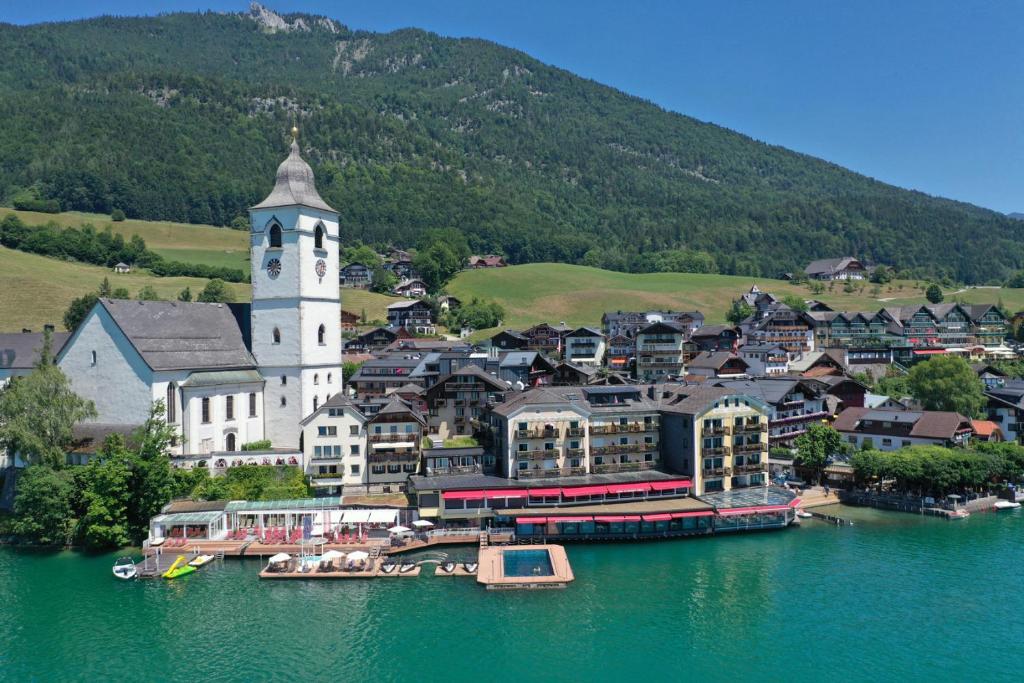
[174,335]
[295,185]
[20,350]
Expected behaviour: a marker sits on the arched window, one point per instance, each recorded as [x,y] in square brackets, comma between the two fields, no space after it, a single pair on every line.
[252,405]
[229,442]
[93,358]
[316,403]
[328,378]
[318,237]
[284,401]
[284,380]
[206,410]
[320,334]
[172,408]
[275,236]
[316,378]
[277,336]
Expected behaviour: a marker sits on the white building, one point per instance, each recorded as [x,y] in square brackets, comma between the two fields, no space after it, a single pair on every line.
[334,444]
[225,383]
[585,346]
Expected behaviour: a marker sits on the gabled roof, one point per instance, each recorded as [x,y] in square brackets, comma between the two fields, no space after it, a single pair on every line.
[713,331]
[176,335]
[20,350]
[399,406]
[714,360]
[830,265]
[339,400]
[585,332]
[407,304]
[926,424]
[294,185]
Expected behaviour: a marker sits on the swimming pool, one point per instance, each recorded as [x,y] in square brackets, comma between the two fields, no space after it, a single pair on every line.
[527,563]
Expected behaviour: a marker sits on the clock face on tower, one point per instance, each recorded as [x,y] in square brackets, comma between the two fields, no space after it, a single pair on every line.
[274,267]
[321,267]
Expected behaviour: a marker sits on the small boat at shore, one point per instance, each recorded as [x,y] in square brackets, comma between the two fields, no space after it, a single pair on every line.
[201,561]
[1006,505]
[124,568]
[958,514]
[803,514]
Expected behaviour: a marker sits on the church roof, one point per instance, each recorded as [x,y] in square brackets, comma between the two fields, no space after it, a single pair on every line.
[20,350]
[175,335]
[295,185]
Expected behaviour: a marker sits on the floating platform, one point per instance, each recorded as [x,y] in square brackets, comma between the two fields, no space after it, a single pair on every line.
[524,567]
[373,570]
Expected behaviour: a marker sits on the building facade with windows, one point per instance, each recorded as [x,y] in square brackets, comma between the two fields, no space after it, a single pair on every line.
[394,436]
[659,352]
[334,440]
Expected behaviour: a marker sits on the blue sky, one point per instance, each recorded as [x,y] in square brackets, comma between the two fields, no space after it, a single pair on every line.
[926,94]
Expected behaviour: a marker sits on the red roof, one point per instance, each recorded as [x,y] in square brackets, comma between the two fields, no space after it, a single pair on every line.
[531,520]
[463,495]
[673,484]
[985,428]
[506,493]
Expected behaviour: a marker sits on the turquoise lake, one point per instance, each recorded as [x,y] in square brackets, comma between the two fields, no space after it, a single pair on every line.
[893,598]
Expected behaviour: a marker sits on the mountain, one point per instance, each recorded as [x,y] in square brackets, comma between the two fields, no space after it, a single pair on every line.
[1016,215]
[183,117]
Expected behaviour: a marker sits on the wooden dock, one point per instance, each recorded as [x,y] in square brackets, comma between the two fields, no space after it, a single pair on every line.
[491,572]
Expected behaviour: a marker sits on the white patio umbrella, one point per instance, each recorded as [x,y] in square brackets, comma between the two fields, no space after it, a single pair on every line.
[399,529]
[358,555]
[280,557]
[422,523]
[332,555]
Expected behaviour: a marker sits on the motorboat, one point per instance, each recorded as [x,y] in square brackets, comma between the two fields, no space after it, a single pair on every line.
[803,514]
[124,568]
[959,514]
[201,560]
[471,567]
[1006,505]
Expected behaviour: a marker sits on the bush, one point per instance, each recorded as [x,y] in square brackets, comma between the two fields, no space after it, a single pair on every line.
[117,215]
[263,445]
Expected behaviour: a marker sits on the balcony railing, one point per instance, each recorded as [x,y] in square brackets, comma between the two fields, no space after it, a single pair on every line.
[629,427]
[821,414]
[721,450]
[614,449]
[550,473]
[461,469]
[748,447]
[575,431]
[538,433]
[717,430]
[539,454]
[576,452]
[393,457]
[394,438]
[655,348]
[751,468]
[716,471]
[613,467]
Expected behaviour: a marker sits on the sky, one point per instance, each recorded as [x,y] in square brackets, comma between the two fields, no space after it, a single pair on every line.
[924,94]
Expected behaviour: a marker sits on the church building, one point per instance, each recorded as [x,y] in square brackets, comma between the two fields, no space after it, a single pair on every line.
[229,374]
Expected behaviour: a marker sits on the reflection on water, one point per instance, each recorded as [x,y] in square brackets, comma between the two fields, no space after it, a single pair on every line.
[895,597]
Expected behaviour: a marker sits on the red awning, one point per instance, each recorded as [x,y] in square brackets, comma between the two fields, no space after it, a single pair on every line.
[928,352]
[696,513]
[570,519]
[618,518]
[629,488]
[531,520]
[585,491]
[506,493]
[753,510]
[657,518]
[464,495]
[536,493]
[795,502]
[669,485]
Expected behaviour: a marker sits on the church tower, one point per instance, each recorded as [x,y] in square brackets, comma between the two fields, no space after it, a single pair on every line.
[296,302]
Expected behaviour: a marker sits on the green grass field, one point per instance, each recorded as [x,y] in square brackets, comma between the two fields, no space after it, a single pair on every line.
[37,290]
[359,300]
[174,241]
[579,295]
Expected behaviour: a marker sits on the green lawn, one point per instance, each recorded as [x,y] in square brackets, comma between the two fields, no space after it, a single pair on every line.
[359,300]
[579,295]
[37,290]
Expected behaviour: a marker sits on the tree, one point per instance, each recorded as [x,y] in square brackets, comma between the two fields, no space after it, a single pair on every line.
[38,412]
[77,310]
[477,315]
[117,215]
[815,446]
[105,288]
[947,383]
[215,292]
[383,280]
[42,506]
[363,254]
[934,294]
[106,495]
[148,293]
[795,302]
[185,294]
[152,483]
[120,293]
[739,311]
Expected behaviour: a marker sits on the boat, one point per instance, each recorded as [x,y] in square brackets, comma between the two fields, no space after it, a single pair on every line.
[1006,505]
[201,560]
[124,568]
[178,569]
[803,514]
[959,514]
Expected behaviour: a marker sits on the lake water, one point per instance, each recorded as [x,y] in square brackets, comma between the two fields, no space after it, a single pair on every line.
[893,598]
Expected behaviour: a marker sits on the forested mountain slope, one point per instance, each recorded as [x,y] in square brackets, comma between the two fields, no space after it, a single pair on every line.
[184,117]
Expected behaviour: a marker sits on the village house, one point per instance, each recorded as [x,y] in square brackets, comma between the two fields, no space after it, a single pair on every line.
[489,261]
[455,402]
[718,364]
[890,430]
[349,321]
[717,338]
[394,437]
[629,323]
[400,263]
[546,338]
[411,288]
[376,339]
[793,404]
[356,275]
[659,349]
[416,316]
[621,352]
[764,359]
[780,325]
[508,340]
[844,268]
[334,444]
[585,346]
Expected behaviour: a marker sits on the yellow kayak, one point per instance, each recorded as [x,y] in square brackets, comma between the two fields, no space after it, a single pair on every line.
[178,569]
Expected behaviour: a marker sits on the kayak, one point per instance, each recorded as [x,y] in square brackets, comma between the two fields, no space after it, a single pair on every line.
[179,571]
[201,560]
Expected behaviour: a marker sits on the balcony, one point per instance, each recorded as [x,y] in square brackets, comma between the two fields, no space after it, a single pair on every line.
[323,458]
[712,452]
[717,430]
[751,468]
[629,427]
[716,471]
[576,431]
[394,438]
[551,473]
[748,448]
[820,415]
[748,426]
[538,433]
[622,448]
[656,348]
[393,457]
[614,467]
[460,469]
[576,452]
